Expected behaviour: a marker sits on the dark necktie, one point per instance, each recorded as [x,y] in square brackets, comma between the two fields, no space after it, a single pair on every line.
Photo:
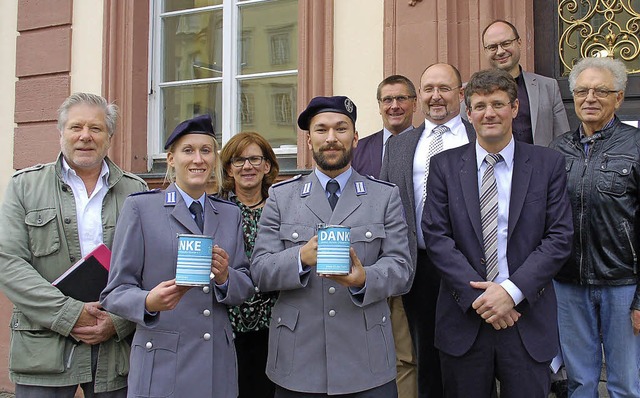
[489,215]
[332,188]
[196,210]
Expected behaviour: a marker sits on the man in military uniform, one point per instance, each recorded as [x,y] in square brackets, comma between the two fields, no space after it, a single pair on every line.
[331,334]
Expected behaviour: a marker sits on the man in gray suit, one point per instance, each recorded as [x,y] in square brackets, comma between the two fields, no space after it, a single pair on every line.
[405,164]
[542,116]
[330,335]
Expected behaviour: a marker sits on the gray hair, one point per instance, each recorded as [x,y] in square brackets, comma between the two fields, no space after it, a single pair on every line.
[615,66]
[110,110]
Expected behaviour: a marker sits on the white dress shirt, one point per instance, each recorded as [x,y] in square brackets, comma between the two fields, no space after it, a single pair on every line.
[455,137]
[88,207]
[503,172]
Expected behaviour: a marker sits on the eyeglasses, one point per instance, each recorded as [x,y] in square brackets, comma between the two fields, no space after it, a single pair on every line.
[598,92]
[253,160]
[400,98]
[505,44]
[496,106]
[440,89]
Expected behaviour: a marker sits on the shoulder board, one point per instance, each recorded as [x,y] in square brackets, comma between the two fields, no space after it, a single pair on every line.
[28,169]
[292,179]
[145,192]
[216,198]
[381,181]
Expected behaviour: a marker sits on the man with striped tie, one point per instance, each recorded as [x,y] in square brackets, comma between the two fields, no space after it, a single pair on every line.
[497,225]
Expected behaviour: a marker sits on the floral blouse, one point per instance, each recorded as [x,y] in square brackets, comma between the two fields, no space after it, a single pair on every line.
[255,313]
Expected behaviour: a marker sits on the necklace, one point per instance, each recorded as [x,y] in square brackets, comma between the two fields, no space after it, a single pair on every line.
[257,204]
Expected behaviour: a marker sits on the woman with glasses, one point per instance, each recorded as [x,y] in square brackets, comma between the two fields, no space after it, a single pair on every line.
[183,343]
[249,168]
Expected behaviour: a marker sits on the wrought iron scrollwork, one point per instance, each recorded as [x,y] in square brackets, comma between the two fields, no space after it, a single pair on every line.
[599,28]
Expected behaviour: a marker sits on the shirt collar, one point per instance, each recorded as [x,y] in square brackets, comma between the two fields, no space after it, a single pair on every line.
[386,134]
[67,170]
[342,178]
[453,125]
[188,199]
[506,153]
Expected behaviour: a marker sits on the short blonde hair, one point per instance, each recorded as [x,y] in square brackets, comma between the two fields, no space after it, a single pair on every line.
[216,175]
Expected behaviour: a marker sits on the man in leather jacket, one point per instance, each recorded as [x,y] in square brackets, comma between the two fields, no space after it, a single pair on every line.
[598,291]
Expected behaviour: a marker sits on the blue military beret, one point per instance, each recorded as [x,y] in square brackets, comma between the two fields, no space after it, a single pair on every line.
[198,125]
[339,104]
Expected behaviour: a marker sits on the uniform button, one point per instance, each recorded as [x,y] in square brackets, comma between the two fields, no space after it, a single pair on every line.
[624,170]
[332,290]
[295,235]
[206,312]
[39,220]
[149,345]
[207,337]
[384,319]
[279,319]
[67,220]
[205,289]
[368,235]
[332,313]
[256,289]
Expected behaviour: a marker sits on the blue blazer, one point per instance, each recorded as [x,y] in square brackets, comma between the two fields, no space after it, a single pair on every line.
[540,233]
[367,156]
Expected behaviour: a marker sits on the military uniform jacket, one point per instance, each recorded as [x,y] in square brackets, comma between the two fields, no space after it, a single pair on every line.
[323,337]
[38,242]
[188,351]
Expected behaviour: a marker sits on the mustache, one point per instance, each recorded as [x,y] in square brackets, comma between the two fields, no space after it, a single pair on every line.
[330,147]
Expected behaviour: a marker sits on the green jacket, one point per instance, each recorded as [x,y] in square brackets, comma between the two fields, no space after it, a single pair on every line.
[38,242]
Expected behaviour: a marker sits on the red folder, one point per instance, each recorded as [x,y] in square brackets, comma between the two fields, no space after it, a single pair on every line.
[85,279]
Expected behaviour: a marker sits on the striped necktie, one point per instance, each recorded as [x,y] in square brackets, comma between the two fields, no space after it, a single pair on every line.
[489,215]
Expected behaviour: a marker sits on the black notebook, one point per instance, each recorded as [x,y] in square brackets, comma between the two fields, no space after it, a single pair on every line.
[88,277]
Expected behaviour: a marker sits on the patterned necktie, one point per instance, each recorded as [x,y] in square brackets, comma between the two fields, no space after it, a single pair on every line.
[196,210]
[489,215]
[435,147]
[332,188]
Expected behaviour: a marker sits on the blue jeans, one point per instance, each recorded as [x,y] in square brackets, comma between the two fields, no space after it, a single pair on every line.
[590,319]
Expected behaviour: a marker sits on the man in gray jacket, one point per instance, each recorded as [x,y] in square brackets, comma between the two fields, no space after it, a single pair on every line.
[53,215]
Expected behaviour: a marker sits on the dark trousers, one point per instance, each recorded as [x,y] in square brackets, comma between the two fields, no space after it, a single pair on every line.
[25,391]
[388,390]
[495,354]
[251,350]
[420,306]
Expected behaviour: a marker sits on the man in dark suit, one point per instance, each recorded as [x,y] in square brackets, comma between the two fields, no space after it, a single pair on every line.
[405,164]
[498,227]
[397,103]
[396,96]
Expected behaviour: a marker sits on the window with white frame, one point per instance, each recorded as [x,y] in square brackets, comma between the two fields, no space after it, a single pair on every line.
[236,60]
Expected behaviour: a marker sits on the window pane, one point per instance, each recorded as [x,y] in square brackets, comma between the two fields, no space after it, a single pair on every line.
[192,46]
[268,106]
[182,103]
[268,37]
[175,5]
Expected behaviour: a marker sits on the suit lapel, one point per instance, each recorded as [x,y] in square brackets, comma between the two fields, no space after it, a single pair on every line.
[469,187]
[519,185]
[316,201]
[376,152]
[348,201]
[180,211]
[533,92]
[409,155]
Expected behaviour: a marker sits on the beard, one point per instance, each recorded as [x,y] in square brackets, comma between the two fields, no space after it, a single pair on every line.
[324,164]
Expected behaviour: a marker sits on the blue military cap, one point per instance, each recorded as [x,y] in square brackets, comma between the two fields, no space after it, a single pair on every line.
[339,104]
[198,125]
